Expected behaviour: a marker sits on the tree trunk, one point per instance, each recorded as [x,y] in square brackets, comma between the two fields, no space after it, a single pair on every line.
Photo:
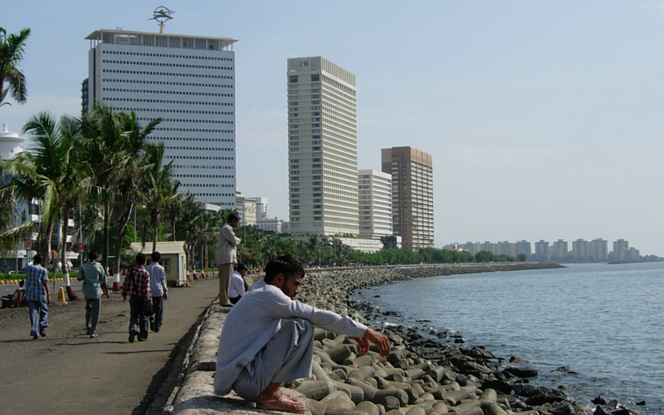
[106,246]
[155,229]
[63,254]
[125,215]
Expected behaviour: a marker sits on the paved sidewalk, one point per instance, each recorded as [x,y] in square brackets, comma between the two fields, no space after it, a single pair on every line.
[69,373]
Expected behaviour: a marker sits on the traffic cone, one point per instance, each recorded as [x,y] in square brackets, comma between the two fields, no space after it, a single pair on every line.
[61,296]
[186,284]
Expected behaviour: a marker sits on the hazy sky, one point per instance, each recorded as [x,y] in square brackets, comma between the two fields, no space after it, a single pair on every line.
[545,119]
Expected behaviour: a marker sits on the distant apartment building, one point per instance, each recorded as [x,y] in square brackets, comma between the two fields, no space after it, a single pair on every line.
[322,148]
[560,249]
[246,208]
[598,250]
[412,195]
[579,250]
[270,225]
[543,250]
[523,247]
[620,251]
[261,208]
[187,81]
[375,204]
[506,248]
[471,247]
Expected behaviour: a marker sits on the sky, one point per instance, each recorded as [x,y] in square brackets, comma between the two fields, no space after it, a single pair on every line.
[545,119]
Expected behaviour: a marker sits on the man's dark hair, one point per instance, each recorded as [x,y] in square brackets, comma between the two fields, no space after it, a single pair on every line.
[140,259]
[284,264]
[37,259]
[92,256]
[156,256]
[232,217]
[241,267]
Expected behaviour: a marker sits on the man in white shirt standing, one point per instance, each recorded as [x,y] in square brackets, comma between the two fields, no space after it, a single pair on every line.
[238,284]
[226,257]
[267,338]
[159,291]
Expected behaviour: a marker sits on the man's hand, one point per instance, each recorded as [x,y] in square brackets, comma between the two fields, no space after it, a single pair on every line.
[379,339]
[48,299]
[107,295]
[165,296]
[124,298]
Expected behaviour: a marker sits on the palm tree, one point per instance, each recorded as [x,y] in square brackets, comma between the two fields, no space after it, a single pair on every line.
[159,187]
[189,225]
[11,53]
[52,171]
[10,234]
[103,145]
[88,221]
[133,173]
[175,207]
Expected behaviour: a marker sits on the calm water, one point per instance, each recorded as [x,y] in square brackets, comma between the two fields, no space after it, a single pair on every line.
[605,322]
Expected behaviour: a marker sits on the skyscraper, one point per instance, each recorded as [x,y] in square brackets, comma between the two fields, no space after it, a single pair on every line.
[375,198]
[322,148]
[188,81]
[412,195]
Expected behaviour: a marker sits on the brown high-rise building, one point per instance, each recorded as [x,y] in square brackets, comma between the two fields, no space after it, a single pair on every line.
[412,195]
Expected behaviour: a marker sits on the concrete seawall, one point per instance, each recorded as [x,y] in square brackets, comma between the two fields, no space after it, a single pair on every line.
[420,377]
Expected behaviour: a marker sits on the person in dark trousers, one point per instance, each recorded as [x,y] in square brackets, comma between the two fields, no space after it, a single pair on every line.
[238,285]
[159,291]
[137,285]
[94,284]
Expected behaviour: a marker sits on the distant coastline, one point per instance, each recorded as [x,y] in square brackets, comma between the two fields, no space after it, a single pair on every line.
[640,261]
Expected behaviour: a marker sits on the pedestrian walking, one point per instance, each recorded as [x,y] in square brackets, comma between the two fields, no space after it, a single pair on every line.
[159,291]
[137,285]
[94,285]
[36,292]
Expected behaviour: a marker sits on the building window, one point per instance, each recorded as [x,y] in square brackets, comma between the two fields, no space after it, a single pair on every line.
[293,79]
[315,78]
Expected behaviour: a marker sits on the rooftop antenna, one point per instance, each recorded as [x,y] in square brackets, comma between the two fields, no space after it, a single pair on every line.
[162,14]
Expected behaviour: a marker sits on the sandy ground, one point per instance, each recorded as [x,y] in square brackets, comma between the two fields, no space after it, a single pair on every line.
[69,373]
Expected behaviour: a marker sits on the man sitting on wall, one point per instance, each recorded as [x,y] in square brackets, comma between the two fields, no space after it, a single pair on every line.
[267,338]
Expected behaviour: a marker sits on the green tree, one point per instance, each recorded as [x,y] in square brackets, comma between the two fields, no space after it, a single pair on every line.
[10,234]
[103,144]
[484,256]
[11,53]
[54,172]
[159,187]
[134,172]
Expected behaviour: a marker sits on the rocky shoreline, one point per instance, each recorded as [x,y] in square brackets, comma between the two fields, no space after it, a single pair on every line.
[424,375]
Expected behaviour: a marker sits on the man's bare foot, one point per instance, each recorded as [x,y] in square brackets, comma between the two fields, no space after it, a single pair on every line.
[281,402]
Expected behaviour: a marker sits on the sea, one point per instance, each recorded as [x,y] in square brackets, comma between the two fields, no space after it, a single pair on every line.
[605,322]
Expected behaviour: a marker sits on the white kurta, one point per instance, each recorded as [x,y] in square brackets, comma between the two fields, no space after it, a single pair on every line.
[252,322]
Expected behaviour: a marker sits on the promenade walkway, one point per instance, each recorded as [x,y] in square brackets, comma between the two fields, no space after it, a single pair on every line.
[69,373]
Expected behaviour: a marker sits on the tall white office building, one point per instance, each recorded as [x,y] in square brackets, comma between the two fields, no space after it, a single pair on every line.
[188,81]
[322,148]
[375,200]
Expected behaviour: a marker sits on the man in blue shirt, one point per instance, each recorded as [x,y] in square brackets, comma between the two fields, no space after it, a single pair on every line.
[94,283]
[36,292]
